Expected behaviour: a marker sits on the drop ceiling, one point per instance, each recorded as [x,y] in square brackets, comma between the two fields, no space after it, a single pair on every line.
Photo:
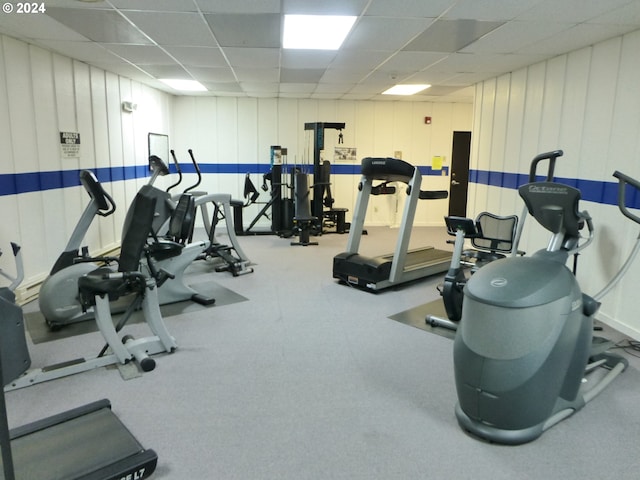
[233,47]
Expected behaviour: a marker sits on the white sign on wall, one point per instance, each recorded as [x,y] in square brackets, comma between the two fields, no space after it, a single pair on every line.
[69,144]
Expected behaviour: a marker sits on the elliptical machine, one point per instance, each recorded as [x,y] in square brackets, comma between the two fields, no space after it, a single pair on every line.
[525,341]
[234,260]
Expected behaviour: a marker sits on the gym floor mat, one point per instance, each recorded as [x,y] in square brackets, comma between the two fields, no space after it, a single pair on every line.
[40,332]
[415,317]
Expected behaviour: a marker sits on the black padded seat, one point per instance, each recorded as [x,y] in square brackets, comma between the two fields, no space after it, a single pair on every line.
[103,280]
[181,226]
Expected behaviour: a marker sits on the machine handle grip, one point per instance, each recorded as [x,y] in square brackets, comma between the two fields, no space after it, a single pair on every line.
[105,204]
[197,167]
[178,169]
[623,180]
[551,156]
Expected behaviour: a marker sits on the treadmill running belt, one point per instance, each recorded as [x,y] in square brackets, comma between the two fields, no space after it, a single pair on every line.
[74,448]
[420,257]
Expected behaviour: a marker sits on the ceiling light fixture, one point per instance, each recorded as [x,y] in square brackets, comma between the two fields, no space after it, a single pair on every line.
[405,89]
[184,85]
[316,32]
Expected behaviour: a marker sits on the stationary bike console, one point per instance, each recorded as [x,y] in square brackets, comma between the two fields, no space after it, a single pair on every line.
[106,205]
[471,228]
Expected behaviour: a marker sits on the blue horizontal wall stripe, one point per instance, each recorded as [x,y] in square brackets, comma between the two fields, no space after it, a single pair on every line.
[16,183]
[591,190]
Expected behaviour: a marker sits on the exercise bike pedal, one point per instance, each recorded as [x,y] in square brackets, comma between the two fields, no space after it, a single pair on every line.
[202,300]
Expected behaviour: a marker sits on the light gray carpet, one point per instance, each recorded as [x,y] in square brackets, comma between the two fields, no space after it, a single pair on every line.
[310,379]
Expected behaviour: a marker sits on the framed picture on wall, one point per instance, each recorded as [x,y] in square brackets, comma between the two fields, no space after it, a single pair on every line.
[345,154]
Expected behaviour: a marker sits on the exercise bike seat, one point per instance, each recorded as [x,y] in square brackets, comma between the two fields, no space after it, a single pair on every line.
[128,278]
[104,281]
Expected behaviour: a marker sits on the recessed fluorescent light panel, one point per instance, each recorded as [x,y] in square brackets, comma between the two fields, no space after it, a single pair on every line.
[184,85]
[316,32]
[405,89]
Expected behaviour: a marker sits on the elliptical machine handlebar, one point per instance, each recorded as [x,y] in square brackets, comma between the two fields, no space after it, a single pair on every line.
[551,156]
[104,203]
[197,167]
[623,181]
[178,169]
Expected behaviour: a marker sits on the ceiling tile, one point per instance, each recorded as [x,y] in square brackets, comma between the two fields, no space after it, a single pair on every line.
[262,87]
[500,10]
[246,30]
[167,71]
[409,8]
[369,89]
[212,74]
[450,35]
[386,34]
[198,56]
[141,54]
[411,61]
[447,43]
[174,28]
[127,70]
[334,87]
[299,75]
[255,75]
[430,77]
[78,4]
[153,5]
[325,96]
[84,51]
[575,11]
[343,76]
[355,96]
[513,36]
[219,87]
[626,15]
[353,59]
[466,79]
[235,6]
[38,27]
[106,26]
[253,57]
[574,38]
[307,88]
[306,58]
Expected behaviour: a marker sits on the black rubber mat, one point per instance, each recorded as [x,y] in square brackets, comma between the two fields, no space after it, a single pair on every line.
[40,332]
[415,317]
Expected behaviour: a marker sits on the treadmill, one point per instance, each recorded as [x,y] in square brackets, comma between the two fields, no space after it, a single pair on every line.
[403,265]
[89,442]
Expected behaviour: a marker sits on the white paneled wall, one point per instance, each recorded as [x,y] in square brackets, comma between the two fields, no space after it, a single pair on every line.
[585,103]
[42,94]
[241,130]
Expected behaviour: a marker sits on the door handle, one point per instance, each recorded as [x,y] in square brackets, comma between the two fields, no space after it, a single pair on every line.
[455,182]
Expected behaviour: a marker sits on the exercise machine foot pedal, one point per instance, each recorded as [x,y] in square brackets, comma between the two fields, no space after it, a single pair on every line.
[202,300]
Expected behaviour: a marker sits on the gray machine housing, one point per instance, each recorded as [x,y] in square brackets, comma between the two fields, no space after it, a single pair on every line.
[525,341]
[533,369]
